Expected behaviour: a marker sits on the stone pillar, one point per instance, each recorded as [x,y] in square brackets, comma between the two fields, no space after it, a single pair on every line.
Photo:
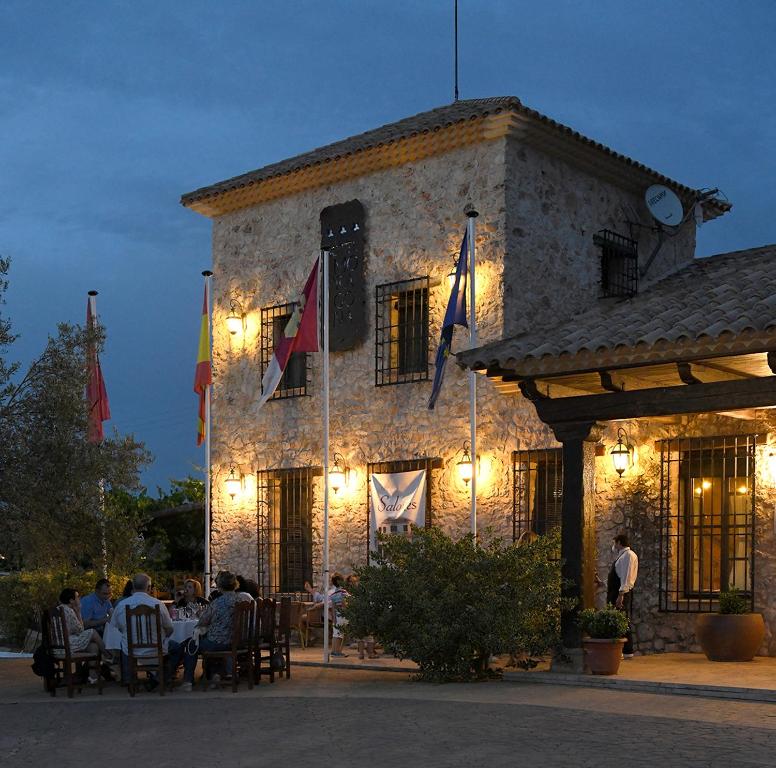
[578,540]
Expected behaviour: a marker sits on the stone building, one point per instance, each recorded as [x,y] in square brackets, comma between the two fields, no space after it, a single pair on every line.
[582,302]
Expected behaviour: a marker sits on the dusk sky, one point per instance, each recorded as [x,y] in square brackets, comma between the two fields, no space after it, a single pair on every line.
[111,110]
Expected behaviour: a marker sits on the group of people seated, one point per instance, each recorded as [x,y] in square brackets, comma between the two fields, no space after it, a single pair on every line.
[87,618]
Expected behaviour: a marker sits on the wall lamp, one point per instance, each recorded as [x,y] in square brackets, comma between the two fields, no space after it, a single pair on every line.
[235,320]
[234,482]
[622,453]
[465,465]
[339,474]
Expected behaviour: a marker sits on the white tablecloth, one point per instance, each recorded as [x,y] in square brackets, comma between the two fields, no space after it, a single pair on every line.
[183,629]
[112,637]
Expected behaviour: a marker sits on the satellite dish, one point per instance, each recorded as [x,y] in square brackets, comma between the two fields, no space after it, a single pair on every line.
[664,205]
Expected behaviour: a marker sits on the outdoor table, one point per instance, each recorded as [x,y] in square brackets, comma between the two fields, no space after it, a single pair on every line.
[183,629]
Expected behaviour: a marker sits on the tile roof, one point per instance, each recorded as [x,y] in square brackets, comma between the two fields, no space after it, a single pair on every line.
[437,119]
[721,304]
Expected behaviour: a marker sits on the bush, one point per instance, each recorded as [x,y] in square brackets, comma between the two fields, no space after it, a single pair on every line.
[448,605]
[606,624]
[732,601]
[24,595]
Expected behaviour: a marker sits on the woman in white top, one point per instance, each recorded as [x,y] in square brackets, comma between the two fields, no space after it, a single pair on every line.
[81,640]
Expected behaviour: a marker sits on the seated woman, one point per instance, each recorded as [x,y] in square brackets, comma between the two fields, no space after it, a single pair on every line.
[81,640]
[192,594]
[214,629]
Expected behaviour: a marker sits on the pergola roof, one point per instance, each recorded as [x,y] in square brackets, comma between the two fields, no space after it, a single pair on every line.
[715,307]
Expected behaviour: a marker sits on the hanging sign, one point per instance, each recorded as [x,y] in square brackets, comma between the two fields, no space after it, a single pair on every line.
[397,501]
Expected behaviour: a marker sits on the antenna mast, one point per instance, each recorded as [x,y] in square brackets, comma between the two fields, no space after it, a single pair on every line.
[456,50]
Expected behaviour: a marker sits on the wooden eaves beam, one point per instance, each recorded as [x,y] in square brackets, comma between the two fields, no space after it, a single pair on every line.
[661,401]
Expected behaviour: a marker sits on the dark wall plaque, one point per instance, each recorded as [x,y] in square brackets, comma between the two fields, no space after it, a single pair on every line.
[342,233]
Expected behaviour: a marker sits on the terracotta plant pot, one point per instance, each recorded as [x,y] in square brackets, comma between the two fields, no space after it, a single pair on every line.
[730,636]
[603,656]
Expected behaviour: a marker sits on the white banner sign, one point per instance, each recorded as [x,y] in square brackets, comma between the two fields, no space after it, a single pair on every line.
[396,502]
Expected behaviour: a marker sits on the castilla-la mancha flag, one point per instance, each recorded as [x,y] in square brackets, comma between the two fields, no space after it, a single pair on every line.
[299,335]
[203,376]
[96,394]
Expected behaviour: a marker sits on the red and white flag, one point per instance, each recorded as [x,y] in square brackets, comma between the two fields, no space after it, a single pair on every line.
[299,335]
[96,394]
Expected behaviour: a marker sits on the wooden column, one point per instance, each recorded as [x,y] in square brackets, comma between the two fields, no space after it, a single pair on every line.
[578,542]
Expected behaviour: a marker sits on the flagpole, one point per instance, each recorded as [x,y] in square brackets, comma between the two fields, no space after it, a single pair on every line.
[324,274]
[101,483]
[207,274]
[472,215]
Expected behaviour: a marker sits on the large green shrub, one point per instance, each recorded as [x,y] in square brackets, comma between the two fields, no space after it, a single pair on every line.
[448,605]
[605,624]
[24,595]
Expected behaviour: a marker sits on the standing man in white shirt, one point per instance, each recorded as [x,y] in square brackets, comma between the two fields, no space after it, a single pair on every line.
[620,582]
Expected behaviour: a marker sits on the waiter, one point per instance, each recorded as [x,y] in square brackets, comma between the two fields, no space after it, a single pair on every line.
[620,583]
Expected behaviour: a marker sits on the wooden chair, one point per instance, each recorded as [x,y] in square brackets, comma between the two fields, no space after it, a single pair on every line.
[264,641]
[312,618]
[57,641]
[144,644]
[283,637]
[242,644]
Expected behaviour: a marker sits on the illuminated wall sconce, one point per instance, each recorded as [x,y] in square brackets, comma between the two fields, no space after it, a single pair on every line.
[235,320]
[339,474]
[465,465]
[622,453]
[234,482]
[451,274]
[772,467]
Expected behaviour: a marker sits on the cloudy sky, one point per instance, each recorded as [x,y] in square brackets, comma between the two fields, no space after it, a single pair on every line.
[110,110]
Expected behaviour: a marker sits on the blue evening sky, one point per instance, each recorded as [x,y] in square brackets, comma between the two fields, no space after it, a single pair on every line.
[110,110]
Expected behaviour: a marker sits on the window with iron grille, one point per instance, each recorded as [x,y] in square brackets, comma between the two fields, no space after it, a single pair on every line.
[537,491]
[706,520]
[294,382]
[284,523]
[619,264]
[401,335]
[407,465]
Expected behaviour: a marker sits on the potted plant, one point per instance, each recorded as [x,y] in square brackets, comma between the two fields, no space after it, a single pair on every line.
[605,630]
[733,634]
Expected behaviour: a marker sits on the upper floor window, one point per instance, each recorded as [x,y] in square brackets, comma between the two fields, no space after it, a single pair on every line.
[273,322]
[537,492]
[619,264]
[401,332]
[706,520]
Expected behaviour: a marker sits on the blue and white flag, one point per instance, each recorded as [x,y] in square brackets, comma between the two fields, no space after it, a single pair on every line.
[455,315]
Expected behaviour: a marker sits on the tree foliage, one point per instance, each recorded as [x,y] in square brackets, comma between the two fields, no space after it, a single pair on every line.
[51,513]
[449,605]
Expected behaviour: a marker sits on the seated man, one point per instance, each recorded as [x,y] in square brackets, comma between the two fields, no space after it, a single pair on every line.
[215,627]
[141,583]
[96,607]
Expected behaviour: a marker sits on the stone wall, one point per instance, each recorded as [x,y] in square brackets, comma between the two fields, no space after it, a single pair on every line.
[631,504]
[414,223]
[553,268]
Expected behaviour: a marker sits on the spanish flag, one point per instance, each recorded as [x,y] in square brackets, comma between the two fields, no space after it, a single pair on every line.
[96,394]
[203,376]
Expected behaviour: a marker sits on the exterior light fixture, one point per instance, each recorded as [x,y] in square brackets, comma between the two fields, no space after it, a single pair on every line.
[453,271]
[233,482]
[621,453]
[465,465]
[772,466]
[235,320]
[338,474]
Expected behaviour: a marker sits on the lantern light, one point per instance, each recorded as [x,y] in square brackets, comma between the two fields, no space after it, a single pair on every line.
[453,271]
[235,320]
[339,474]
[621,453]
[772,466]
[465,465]
[233,482]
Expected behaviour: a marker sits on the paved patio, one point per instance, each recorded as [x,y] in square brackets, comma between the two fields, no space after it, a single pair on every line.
[689,674]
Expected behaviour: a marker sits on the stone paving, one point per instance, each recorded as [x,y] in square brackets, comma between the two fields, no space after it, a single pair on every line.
[345,718]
